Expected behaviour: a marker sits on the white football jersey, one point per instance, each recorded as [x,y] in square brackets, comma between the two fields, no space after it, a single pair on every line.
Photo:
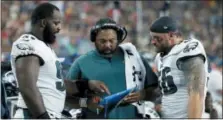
[50,83]
[172,81]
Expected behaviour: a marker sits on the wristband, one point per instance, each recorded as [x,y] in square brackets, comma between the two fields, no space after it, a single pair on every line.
[82,85]
[83,102]
[43,116]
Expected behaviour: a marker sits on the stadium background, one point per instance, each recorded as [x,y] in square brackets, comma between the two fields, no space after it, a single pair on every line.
[200,19]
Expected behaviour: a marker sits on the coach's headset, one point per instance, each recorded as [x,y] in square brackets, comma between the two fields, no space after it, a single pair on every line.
[121,31]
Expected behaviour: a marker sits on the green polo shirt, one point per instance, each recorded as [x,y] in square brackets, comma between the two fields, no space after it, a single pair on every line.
[93,66]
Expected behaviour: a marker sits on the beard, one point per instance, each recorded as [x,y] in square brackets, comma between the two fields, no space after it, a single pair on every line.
[48,35]
[165,49]
[106,53]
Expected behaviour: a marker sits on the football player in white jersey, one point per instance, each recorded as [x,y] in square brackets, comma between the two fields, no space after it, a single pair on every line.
[38,71]
[182,70]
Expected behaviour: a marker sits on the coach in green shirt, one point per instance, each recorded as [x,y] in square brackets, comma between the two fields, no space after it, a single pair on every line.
[107,64]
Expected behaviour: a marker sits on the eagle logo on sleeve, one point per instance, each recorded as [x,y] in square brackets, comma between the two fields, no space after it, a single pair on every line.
[24,46]
[190,46]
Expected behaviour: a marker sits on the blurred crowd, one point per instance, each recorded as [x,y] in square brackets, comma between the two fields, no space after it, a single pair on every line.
[199,19]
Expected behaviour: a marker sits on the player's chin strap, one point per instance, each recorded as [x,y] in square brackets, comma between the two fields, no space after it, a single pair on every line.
[106,105]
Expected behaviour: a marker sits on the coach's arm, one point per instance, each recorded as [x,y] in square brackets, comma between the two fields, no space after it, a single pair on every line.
[194,71]
[150,91]
[76,87]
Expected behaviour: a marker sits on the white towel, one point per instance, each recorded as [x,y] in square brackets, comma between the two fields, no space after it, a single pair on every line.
[135,71]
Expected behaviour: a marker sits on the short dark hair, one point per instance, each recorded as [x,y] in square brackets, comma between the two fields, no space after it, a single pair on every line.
[42,11]
[104,21]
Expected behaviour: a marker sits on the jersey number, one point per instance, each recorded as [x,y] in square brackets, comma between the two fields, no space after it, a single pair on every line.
[59,84]
[167,85]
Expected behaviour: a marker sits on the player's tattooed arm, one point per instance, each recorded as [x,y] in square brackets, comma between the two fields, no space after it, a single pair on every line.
[194,73]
